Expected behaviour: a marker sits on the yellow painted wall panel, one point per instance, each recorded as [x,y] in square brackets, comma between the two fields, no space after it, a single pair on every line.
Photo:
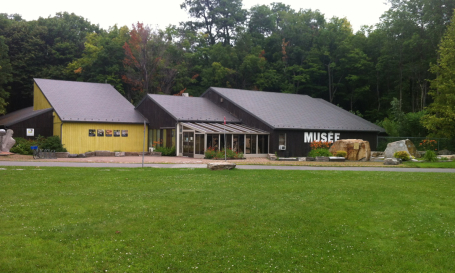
[39,100]
[76,138]
[57,123]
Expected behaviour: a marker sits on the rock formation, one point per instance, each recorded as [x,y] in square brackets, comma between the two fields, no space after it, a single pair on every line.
[401,145]
[356,149]
[6,140]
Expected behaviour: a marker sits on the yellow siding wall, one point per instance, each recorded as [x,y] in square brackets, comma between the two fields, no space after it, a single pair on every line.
[76,140]
[57,123]
[39,101]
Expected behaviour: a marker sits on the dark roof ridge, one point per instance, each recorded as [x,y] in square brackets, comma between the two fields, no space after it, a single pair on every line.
[246,110]
[165,110]
[30,113]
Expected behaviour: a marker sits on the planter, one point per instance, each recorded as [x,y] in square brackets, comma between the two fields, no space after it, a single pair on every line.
[61,154]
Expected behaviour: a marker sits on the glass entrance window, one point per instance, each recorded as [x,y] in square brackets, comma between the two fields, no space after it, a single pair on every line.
[188,144]
[263,144]
[199,144]
[213,141]
[250,144]
[238,143]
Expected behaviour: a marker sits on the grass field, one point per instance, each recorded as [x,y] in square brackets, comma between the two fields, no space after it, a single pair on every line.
[449,164]
[190,220]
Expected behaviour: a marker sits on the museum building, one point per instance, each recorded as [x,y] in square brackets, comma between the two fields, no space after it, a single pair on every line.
[255,123]
[95,116]
[86,117]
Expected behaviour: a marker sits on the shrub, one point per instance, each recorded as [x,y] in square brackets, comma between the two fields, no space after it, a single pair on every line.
[23,145]
[210,153]
[403,155]
[341,154]
[219,154]
[166,151]
[319,152]
[428,144]
[430,156]
[52,143]
[320,145]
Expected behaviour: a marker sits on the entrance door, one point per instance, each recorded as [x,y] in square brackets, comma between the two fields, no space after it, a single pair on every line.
[188,144]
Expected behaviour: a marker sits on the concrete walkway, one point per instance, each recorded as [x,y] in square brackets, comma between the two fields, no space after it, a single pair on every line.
[200,166]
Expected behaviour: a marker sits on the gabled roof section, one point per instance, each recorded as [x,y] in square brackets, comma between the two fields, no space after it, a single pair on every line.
[291,111]
[21,115]
[192,109]
[88,102]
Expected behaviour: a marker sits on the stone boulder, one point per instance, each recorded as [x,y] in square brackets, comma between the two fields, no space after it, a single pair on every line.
[391,161]
[104,153]
[216,166]
[6,140]
[444,152]
[401,145]
[356,149]
[119,154]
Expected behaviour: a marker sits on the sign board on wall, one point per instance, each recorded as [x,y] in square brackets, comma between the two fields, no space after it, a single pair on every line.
[30,132]
[321,136]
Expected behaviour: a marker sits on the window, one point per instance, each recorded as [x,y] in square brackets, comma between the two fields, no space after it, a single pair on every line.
[199,144]
[263,144]
[282,139]
[250,144]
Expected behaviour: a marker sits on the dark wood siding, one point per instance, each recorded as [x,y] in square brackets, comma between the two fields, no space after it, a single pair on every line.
[157,117]
[246,118]
[43,125]
[295,146]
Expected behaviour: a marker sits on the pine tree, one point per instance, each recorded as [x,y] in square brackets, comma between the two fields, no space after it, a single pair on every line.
[441,113]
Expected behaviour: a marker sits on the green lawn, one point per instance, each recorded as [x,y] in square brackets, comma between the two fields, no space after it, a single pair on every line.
[190,220]
[448,164]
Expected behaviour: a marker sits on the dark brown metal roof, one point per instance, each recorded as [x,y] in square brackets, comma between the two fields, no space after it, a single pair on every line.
[192,109]
[291,111]
[21,115]
[88,102]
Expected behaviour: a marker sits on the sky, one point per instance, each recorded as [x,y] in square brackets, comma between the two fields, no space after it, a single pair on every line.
[162,13]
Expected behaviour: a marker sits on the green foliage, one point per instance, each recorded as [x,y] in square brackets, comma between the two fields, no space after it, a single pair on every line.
[403,124]
[5,75]
[341,154]
[403,155]
[440,119]
[23,145]
[319,152]
[166,151]
[430,156]
[52,143]
[213,153]
[210,153]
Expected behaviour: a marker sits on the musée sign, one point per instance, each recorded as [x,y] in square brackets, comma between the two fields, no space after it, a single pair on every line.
[318,136]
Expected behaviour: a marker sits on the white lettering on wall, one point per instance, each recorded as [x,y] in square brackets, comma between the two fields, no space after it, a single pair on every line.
[318,136]
[308,137]
[324,137]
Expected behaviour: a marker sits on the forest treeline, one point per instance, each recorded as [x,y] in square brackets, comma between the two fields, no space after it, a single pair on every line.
[381,72]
